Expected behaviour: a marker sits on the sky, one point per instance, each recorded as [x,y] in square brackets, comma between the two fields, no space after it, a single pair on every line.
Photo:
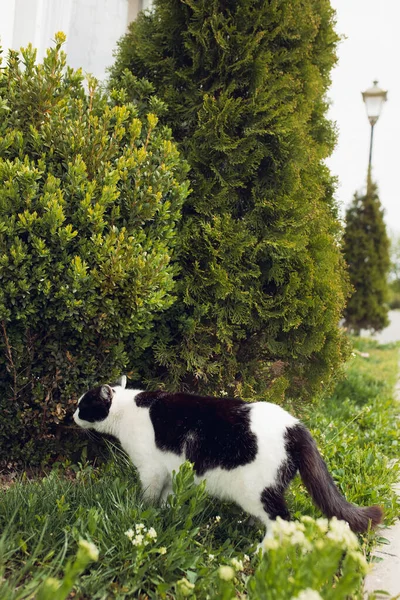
[370,51]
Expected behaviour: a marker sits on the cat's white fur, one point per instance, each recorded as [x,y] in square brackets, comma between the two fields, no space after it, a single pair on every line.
[132,426]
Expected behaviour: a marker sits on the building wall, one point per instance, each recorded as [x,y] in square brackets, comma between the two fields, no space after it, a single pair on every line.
[92,27]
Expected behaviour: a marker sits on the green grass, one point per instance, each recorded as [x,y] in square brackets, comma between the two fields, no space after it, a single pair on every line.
[42,520]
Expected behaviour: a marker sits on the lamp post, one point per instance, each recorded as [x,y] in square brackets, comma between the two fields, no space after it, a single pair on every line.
[374,98]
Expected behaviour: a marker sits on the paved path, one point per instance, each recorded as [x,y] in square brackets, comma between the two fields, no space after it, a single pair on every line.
[391,333]
[385,575]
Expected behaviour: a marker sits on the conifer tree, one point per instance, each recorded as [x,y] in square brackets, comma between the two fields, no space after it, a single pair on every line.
[262,283]
[366,249]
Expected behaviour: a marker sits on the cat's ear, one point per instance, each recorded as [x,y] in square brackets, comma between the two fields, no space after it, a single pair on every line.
[106,394]
[121,382]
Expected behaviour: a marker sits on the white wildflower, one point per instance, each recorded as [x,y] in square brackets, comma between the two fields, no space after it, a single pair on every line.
[90,549]
[306,519]
[270,544]
[322,524]
[152,533]
[162,550]
[282,528]
[246,558]
[226,573]
[308,594]
[129,534]
[211,556]
[139,527]
[237,564]
[340,532]
[185,587]
[138,540]
[217,519]
[299,539]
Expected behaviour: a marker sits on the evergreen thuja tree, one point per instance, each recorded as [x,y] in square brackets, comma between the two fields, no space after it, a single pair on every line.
[262,282]
[366,248]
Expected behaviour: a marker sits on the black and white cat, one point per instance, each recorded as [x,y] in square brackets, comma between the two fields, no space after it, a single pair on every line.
[247,453]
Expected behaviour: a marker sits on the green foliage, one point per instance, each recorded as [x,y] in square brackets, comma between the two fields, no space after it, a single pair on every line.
[262,284]
[199,547]
[90,194]
[366,249]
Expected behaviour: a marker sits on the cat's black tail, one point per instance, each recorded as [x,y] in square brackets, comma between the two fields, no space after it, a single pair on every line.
[303,451]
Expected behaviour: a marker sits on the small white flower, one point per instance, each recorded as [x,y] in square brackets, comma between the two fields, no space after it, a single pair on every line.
[340,532]
[138,540]
[139,527]
[152,533]
[211,556]
[306,519]
[90,549]
[270,544]
[223,393]
[298,538]
[217,519]
[130,533]
[237,564]
[286,528]
[226,573]
[246,558]
[308,594]
[322,524]
[162,550]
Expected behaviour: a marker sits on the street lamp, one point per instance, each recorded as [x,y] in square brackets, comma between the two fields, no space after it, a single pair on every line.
[374,98]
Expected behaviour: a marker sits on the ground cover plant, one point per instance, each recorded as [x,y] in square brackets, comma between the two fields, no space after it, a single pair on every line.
[198,547]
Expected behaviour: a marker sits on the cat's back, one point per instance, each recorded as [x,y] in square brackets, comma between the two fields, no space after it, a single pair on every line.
[177,410]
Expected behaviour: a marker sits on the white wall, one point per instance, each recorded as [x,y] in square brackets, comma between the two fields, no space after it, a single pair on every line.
[92,28]
[96,25]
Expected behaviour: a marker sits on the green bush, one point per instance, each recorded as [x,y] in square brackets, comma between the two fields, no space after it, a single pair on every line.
[90,196]
[366,249]
[262,283]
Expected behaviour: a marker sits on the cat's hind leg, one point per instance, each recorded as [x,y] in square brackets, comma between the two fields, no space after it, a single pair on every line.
[274,505]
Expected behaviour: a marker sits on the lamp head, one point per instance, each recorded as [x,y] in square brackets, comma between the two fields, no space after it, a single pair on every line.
[374,99]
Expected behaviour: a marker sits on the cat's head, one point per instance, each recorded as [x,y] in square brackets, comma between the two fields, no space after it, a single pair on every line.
[95,405]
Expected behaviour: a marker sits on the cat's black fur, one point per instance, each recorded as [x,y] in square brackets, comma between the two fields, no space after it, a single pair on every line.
[213,432]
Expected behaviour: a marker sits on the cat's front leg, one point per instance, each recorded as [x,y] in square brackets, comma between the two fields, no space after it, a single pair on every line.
[167,491]
[153,483]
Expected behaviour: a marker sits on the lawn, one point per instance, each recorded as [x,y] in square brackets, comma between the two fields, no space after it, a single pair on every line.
[199,547]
